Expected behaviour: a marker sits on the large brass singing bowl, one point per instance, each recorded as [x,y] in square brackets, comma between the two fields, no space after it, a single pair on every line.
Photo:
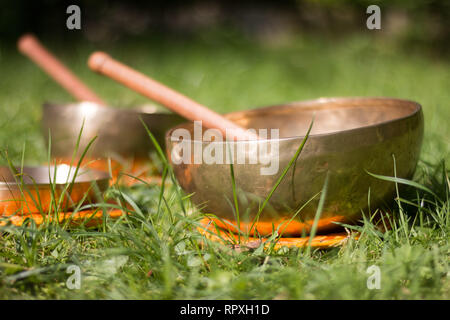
[349,137]
[120,132]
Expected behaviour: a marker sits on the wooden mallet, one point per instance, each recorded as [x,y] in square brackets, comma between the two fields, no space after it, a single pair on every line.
[184,106]
[30,46]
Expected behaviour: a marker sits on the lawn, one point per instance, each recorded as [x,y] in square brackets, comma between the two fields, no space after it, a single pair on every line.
[156,253]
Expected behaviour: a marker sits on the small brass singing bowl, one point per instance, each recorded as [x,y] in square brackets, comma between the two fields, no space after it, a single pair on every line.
[349,138]
[38,189]
[119,133]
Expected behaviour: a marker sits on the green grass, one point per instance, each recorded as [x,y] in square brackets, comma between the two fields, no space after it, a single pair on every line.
[156,253]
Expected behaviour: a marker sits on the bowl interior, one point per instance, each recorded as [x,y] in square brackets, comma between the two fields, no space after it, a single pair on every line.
[330,115]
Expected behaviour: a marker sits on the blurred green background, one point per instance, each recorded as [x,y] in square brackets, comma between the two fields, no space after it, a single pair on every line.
[232,56]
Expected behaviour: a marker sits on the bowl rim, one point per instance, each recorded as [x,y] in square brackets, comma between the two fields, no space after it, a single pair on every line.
[303,104]
[142,109]
[96,176]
